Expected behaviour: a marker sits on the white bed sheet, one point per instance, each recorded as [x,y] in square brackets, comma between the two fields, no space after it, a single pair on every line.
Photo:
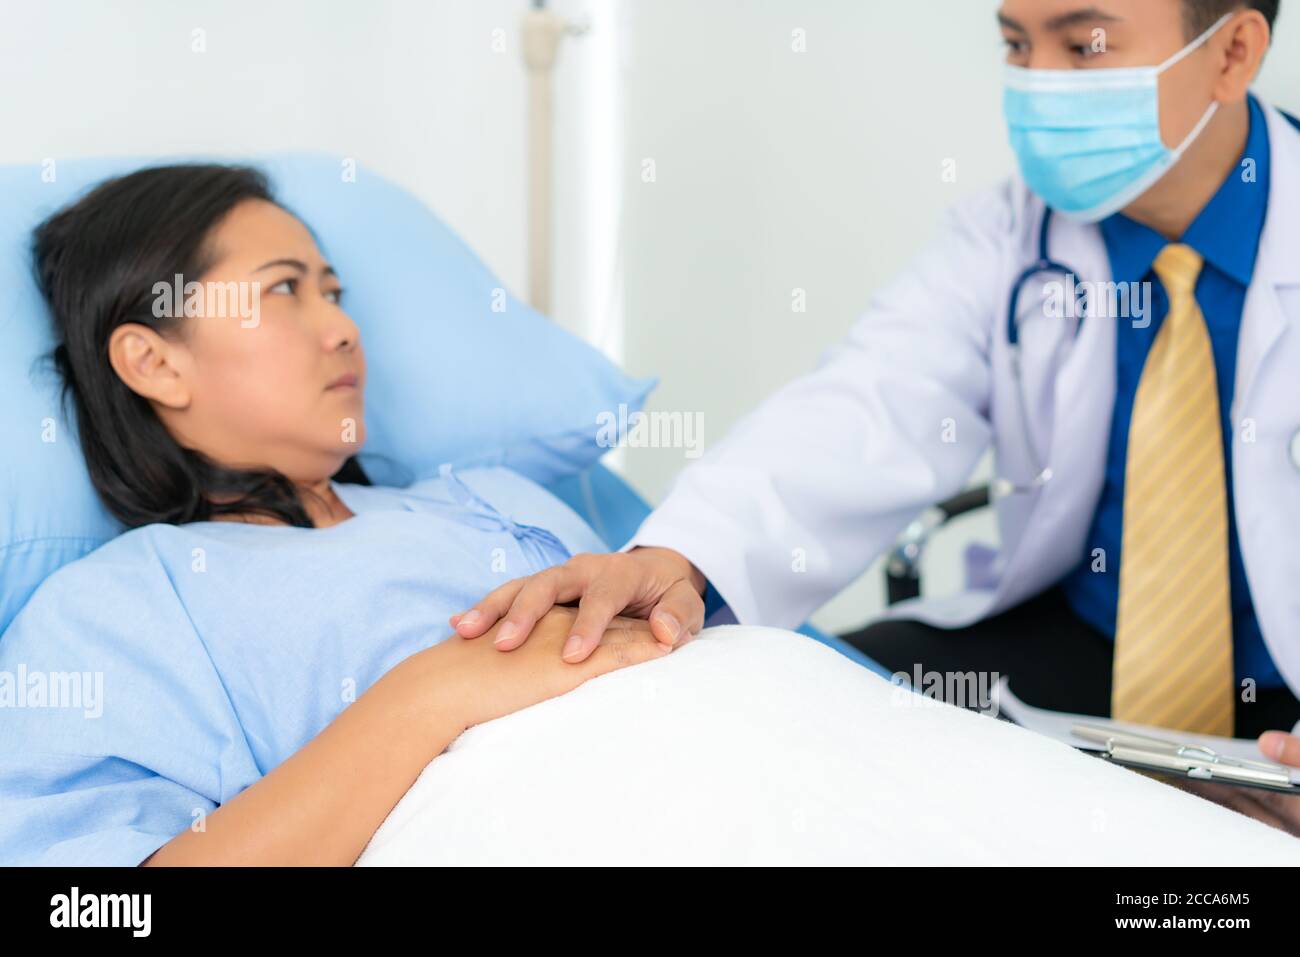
[760,746]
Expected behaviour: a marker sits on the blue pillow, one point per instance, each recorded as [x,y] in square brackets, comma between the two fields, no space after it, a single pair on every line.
[450,378]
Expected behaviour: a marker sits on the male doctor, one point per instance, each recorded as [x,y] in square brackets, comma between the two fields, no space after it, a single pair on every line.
[1149,463]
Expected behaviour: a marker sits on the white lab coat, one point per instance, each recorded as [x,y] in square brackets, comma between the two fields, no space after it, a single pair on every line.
[809,489]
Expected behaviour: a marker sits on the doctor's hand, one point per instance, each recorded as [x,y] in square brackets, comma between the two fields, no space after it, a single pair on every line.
[1274,808]
[655,583]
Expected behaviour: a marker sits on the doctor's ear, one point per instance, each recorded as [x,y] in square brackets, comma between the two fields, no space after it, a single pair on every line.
[150,365]
[1247,37]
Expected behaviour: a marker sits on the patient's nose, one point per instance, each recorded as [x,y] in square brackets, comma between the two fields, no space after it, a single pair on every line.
[341,334]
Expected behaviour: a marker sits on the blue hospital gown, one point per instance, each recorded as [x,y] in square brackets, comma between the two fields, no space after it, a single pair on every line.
[156,678]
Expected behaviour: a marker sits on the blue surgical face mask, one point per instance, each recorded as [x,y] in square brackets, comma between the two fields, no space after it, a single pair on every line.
[1088,141]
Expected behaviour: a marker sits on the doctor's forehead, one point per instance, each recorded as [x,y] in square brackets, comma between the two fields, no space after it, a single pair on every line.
[1060,16]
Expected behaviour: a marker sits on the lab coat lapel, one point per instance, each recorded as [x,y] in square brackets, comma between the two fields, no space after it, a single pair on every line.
[1265,492]
[1278,261]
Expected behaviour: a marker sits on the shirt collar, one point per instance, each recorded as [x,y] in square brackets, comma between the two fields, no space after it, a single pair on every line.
[1226,232]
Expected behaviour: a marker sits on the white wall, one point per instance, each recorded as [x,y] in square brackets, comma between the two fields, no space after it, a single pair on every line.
[414,89]
[817,170]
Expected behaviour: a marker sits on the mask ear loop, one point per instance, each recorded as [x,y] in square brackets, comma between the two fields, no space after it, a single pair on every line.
[1197,43]
[1192,47]
[1177,154]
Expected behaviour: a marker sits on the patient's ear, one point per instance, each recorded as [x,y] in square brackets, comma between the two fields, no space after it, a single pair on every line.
[149,364]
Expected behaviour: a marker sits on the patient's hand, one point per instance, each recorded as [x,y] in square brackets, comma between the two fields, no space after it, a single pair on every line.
[485,684]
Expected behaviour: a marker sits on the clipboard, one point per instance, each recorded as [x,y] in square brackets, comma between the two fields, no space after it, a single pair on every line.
[1197,757]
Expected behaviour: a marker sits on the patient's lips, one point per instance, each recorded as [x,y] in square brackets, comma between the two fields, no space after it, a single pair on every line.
[345,381]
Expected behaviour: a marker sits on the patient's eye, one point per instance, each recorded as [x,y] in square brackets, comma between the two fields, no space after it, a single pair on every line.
[285,286]
[335,296]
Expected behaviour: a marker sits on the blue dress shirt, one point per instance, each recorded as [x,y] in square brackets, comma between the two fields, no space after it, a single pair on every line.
[1226,234]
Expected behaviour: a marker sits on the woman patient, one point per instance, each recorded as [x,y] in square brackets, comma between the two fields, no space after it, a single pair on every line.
[260,657]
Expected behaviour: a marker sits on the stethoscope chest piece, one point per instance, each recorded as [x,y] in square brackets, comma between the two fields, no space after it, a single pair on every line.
[1295,450]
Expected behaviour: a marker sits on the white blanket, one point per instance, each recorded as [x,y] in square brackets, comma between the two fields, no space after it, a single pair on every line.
[759,746]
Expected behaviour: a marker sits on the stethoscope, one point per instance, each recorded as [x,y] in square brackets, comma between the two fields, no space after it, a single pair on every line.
[1001,486]
[1045,264]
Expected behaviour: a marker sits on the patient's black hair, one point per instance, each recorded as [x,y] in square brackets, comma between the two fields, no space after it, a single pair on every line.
[97,262]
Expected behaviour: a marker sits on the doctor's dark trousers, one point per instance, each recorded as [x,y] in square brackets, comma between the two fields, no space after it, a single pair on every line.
[1052,658]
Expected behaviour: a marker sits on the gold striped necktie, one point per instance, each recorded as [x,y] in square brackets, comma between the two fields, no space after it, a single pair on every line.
[1173,630]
